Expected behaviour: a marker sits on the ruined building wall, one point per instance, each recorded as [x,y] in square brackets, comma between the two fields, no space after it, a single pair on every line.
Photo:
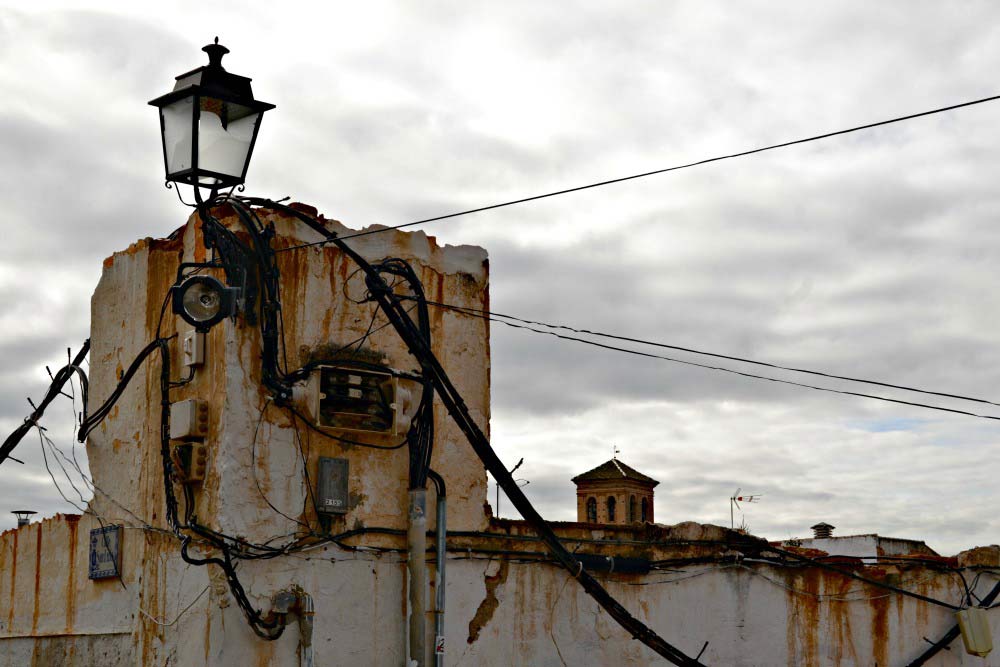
[501,610]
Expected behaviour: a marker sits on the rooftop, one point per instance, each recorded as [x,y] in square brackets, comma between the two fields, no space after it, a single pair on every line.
[613,469]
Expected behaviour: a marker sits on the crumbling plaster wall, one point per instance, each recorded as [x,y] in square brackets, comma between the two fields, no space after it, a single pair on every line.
[501,610]
[319,287]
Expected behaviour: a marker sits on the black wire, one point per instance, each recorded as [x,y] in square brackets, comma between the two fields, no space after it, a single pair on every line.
[304,455]
[853,575]
[493,314]
[622,179]
[421,432]
[58,381]
[98,415]
[336,358]
[346,441]
[742,373]
[256,480]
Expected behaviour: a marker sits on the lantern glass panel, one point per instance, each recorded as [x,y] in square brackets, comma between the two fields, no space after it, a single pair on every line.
[225,136]
[177,129]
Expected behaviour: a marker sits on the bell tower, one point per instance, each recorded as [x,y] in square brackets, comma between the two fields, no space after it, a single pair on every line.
[614,493]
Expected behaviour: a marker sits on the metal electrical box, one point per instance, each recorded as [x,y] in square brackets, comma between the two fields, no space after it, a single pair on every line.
[353,399]
[331,494]
[349,398]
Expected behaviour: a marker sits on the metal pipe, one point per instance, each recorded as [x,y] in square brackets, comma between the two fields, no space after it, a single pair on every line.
[306,614]
[441,537]
[416,565]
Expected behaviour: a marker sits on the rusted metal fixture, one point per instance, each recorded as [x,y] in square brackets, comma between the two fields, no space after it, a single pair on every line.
[295,603]
[23,516]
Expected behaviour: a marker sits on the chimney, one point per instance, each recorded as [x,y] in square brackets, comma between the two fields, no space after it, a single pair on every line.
[23,516]
[822,531]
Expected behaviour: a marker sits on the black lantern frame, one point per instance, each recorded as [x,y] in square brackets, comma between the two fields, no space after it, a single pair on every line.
[209,90]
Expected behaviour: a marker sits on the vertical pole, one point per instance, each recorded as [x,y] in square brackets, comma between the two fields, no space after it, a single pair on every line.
[416,564]
[442,533]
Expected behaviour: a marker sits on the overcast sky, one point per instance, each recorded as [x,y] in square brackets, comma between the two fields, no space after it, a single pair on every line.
[872,255]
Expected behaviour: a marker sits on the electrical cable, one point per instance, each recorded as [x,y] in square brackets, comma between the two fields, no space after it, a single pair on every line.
[743,373]
[493,314]
[55,389]
[873,582]
[256,479]
[952,632]
[622,179]
[104,535]
[340,439]
[179,614]
[92,420]
[310,496]
[421,432]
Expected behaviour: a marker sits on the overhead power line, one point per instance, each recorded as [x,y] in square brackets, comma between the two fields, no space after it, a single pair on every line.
[655,172]
[511,322]
[494,314]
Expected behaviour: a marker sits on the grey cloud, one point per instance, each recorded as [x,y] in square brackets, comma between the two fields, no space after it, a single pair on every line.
[870,255]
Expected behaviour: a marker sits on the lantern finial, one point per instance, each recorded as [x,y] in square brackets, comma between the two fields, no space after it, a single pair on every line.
[215,52]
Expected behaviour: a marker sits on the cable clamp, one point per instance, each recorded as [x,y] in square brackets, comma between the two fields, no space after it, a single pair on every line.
[579,570]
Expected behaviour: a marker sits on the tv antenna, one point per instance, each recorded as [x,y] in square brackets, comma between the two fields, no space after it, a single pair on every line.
[736,499]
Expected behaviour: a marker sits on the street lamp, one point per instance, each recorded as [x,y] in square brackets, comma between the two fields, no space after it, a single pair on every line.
[209,124]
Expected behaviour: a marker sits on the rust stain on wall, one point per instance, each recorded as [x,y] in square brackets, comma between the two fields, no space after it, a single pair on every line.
[38,580]
[208,626]
[803,621]
[880,626]
[199,242]
[72,522]
[13,580]
[490,603]
[265,655]
[839,621]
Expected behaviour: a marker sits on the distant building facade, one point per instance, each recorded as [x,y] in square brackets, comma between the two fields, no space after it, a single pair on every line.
[869,548]
[614,493]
